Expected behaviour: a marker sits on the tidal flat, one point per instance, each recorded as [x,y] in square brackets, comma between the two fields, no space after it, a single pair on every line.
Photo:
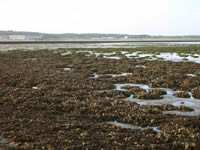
[93,98]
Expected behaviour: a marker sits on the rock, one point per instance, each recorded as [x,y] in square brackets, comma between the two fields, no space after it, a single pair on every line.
[147,95]
[182,94]
[135,89]
[190,83]
[196,93]
[158,91]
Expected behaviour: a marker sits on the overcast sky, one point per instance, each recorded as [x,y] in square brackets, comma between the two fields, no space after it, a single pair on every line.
[155,17]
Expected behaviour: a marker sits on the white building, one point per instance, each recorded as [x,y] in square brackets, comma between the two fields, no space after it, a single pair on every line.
[126,37]
[17,37]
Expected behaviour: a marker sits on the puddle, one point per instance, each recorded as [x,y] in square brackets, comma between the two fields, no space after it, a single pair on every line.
[66,53]
[104,54]
[182,103]
[148,56]
[114,57]
[95,75]
[145,55]
[119,75]
[191,75]
[142,103]
[100,91]
[169,98]
[124,52]
[139,54]
[66,69]
[35,88]
[129,126]
[176,58]
[140,66]
[166,56]
[191,97]
[134,54]
[170,92]
[170,56]
[112,75]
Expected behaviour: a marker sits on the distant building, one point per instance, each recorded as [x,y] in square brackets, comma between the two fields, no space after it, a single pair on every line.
[126,37]
[4,37]
[17,37]
[20,37]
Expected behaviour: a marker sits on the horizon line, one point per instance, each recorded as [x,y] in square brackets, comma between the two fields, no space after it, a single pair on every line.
[100,33]
[93,41]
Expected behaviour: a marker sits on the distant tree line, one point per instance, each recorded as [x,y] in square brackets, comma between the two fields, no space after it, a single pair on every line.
[65,36]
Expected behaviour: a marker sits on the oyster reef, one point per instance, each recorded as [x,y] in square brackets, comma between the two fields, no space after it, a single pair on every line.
[113,98]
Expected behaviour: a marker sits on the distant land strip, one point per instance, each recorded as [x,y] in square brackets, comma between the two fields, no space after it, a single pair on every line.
[90,41]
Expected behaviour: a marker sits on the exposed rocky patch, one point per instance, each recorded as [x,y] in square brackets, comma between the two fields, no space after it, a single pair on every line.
[158,91]
[151,94]
[182,94]
[196,92]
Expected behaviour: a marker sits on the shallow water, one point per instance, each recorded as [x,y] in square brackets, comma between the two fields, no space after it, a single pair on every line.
[112,75]
[140,66]
[35,88]
[132,54]
[124,52]
[166,57]
[104,54]
[167,99]
[129,126]
[66,69]
[66,53]
[91,45]
[119,75]
[176,58]
[113,57]
[95,75]
[145,55]
[191,75]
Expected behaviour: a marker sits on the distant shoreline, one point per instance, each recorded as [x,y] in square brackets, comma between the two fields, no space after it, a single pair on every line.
[99,41]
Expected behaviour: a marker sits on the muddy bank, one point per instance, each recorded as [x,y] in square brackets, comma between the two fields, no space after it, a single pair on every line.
[49,101]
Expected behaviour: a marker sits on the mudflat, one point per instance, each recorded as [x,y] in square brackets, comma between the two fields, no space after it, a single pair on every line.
[64,99]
